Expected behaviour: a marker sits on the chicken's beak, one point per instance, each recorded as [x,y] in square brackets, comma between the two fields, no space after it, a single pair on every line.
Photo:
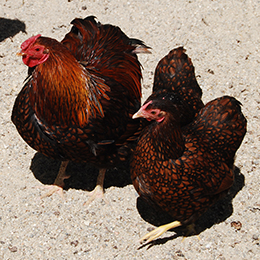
[138,114]
[141,112]
[21,53]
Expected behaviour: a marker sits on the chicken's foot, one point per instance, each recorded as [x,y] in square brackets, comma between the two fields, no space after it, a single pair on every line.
[98,192]
[159,231]
[57,186]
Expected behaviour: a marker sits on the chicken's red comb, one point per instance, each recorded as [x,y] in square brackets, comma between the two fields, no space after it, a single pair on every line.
[30,41]
[146,105]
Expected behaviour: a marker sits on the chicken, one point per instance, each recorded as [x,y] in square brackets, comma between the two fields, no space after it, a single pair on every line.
[185,170]
[175,72]
[78,100]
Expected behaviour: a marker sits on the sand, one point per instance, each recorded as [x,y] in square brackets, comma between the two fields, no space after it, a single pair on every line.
[222,39]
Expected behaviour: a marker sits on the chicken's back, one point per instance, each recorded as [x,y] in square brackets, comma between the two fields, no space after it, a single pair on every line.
[221,126]
[92,42]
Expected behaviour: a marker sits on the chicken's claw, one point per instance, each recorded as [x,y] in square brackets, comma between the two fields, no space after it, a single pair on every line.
[159,231]
[98,192]
[53,189]
[57,186]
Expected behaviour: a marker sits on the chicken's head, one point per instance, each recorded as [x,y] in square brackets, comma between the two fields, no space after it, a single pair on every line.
[162,104]
[33,53]
[150,113]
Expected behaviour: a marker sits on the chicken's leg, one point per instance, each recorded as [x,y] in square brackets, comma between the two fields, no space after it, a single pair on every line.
[98,192]
[190,230]
[159,231]
[57,186]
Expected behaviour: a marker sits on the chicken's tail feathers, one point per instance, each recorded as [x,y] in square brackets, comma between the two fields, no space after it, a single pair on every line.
[139,45]
[224,125]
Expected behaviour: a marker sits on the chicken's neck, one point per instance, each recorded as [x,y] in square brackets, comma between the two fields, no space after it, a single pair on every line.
[167,141]
[63,91]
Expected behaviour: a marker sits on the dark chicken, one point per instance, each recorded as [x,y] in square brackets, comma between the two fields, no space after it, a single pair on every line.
[80,95]
[185,170]
[175,73]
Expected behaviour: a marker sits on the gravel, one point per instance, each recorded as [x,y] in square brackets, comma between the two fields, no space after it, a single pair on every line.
[223,40]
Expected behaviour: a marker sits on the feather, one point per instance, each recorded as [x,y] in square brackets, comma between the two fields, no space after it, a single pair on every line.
[78,100]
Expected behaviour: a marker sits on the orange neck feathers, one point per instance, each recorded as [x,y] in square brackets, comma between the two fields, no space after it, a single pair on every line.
[63,91]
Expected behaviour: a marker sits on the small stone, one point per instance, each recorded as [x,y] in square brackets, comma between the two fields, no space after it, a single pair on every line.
[236,224]
[74,243]
[255,237]
[13,249]
[209,245]
[179,253]
[56,213]
[210,71]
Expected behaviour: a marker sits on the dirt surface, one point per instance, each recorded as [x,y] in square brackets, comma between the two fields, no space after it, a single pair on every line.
[223,40]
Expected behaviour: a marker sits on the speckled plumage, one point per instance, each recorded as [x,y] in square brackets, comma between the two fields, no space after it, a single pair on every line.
[175,72]
[78,104]
[67,131]
[185,170]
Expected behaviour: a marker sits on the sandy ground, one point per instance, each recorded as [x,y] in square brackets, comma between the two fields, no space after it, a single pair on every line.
[223,41]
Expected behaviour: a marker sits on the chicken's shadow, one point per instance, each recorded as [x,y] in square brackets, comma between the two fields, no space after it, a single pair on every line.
[83,176]
[9,28]
[215,214]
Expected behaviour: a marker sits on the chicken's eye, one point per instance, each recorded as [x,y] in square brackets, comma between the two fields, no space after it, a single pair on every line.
[153,112]
[37,49]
